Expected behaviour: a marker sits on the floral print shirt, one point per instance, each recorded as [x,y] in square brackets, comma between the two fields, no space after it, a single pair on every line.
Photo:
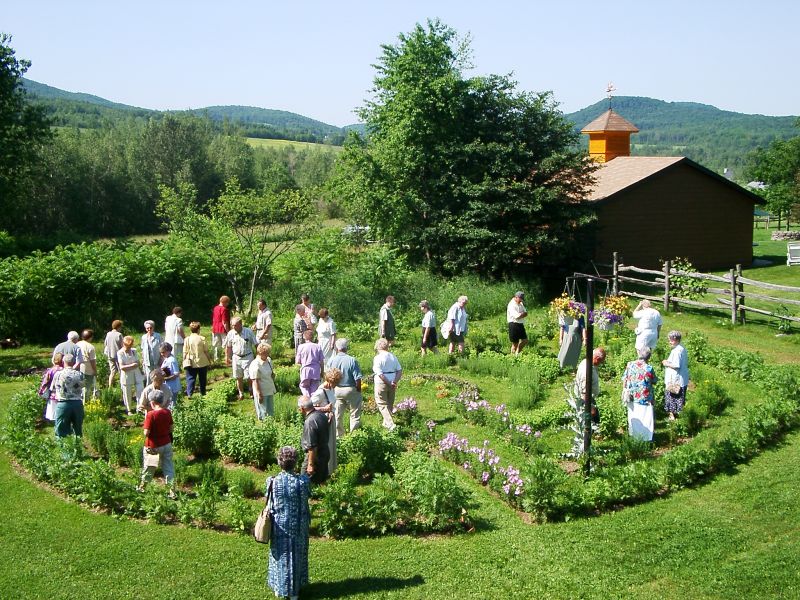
[638,381]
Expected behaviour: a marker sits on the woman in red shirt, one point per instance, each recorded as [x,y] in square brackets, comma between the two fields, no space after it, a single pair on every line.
[157,431]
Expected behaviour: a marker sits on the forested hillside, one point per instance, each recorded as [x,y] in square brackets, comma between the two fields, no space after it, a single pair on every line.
[715,138]
[70,109]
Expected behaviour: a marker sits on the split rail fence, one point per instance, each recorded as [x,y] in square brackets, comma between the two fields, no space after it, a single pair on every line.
[729,293]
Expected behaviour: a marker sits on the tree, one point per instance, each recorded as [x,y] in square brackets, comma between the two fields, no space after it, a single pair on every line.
[24,128]
[243,233]
[466,173]
[779,167]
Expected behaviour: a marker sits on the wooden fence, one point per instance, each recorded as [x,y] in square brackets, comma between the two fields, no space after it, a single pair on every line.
[730,292]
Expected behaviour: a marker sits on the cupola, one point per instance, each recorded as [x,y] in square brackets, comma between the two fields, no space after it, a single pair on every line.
[609,136]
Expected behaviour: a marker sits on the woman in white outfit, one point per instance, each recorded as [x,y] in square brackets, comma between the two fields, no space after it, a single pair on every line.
[649,327]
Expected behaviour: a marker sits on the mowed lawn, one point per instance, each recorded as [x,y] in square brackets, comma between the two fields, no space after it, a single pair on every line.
[280,144]
[738,536]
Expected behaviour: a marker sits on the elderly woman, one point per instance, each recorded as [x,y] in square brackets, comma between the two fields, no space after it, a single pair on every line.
[288,551]
[262,381]
[151,349]
[637,395]
[171,370]
[326,334]
[311,360]
[649,327]
[387,372]
[156,383]
[676,376]
[457,317]
[324,400]
[196,359]
[130,375]
[47,390]
[157,431]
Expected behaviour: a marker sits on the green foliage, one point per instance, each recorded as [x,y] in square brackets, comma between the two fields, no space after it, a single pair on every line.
[445,151]
[23,128]
[683,285]
[377,449]
[244,481]
[246,440]
[134,280]
[242,515]
[194,424]
[440,501]
[96,433]
[117,445]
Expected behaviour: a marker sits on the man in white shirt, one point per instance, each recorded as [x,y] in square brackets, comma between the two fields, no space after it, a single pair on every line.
[89,365]
[579,389]
[240,344]
[263,324]
[457,317]
[515,315]
[174,333]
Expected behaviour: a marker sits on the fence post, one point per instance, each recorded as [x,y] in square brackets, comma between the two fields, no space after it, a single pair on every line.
[666,285]
[732,275]
[740,288]
[615,271]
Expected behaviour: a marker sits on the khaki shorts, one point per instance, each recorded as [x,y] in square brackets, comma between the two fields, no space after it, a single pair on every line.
[241,366]
[113,365]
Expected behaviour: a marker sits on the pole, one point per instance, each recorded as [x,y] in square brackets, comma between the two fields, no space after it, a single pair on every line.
[667,267]
[734,310]
[587,398]
[615,282]
[740,287]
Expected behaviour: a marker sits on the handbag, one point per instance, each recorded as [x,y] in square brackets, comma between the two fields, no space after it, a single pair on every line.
[674,388]
[262,532]
[151,460]
[446,328]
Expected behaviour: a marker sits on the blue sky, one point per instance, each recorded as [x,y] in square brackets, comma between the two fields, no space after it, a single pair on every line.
[314,58]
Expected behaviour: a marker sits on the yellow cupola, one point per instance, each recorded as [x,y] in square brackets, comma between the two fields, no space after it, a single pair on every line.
[609,137]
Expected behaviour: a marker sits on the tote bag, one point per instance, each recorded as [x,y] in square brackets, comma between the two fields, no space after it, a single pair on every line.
[262,532]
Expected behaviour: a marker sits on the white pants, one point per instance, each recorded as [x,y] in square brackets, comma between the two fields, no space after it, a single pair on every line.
[384,399]
[347,398]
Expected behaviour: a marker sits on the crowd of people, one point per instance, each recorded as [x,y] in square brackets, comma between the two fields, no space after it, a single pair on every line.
[330,385]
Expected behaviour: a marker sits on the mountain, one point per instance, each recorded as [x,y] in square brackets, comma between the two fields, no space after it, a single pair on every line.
[70,109]
[715,138]
[712,137]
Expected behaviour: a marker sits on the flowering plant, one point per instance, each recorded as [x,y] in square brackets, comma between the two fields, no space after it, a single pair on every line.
[612,311]
[568,307]
[405,413]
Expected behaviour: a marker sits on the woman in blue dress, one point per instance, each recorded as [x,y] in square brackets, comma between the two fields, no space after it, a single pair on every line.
[288,551]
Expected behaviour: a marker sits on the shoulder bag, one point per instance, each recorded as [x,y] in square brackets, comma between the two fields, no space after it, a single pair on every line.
[262,532]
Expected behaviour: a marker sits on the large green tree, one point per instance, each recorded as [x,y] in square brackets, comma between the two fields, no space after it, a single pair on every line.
[779,167]
[23,130]
[464,172]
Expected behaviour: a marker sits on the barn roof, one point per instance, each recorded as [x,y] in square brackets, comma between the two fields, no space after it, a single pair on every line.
[627,171]
[609,121]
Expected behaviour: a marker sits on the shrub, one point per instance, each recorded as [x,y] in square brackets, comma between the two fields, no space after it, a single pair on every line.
[246,440]
[117,445]
[241,514]
[242,480]
[377,448]
[96,433]
[194,423]
[24,411]
[286,379]
[543,477]
[439,502]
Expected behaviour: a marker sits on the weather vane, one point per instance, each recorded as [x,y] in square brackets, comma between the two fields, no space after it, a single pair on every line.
[610,89]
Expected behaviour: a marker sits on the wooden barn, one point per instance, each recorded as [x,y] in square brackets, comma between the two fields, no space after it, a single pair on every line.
[652,208]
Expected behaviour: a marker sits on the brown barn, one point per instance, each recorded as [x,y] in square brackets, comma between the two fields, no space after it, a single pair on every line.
[652,208]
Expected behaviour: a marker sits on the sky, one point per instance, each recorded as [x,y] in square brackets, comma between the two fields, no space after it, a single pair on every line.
[315,57]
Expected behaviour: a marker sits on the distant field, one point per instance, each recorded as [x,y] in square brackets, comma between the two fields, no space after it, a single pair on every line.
[277,144]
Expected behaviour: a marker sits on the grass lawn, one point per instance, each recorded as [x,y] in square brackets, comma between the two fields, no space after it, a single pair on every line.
[279,144]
